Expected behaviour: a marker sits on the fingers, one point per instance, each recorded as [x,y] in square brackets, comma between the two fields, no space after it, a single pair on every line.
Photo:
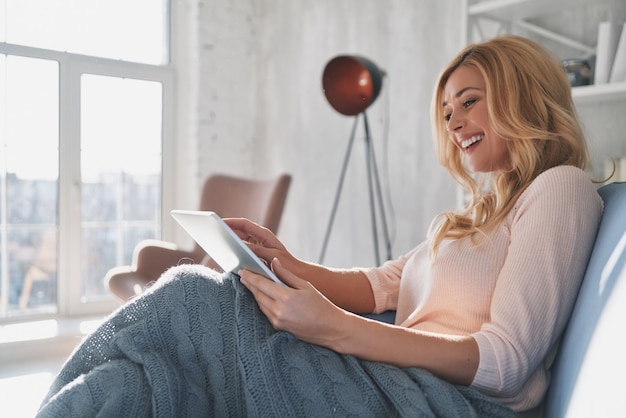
[247,230]
[275,301]
[299,309]
[263,284]
[259,239]
[259,286]
[286,276]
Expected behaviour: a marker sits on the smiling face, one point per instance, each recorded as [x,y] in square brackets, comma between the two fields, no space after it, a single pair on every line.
[468,125]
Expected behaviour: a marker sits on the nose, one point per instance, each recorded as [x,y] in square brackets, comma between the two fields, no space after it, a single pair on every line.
[455,122]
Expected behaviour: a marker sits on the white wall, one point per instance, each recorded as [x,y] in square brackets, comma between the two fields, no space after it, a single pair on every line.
[251,102]
[260,110]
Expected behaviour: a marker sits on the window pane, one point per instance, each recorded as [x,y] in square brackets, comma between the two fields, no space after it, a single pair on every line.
[29,187]
[121,122]
[130,30]
[36,264]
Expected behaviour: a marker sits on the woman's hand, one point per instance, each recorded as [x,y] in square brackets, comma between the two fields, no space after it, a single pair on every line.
[261,241]
[302,310]
[347,289]
[299,309]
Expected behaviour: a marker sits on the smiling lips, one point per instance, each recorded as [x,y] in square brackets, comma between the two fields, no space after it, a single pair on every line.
[466,143]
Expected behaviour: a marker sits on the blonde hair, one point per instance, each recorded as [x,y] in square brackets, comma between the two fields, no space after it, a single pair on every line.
[529,104]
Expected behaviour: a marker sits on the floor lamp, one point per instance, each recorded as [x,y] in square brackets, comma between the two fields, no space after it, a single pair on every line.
[351,84]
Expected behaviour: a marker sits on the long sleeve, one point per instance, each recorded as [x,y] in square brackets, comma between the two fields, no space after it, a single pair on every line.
[552,233]
[513,291]
[385,281]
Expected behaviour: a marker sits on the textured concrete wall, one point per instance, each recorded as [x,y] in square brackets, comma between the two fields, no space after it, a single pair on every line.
[306,136]
[253,84]
[250,78]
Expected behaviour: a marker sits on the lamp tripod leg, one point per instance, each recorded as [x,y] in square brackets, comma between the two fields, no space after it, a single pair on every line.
[370,187]
[339,189]
[374,182]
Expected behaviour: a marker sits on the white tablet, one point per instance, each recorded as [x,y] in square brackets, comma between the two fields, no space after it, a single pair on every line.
[221,243]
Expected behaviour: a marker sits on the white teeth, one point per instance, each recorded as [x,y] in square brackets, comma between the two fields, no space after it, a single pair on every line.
[467,142]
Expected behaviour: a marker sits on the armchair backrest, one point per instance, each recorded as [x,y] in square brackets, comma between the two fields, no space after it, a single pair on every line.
[261,201]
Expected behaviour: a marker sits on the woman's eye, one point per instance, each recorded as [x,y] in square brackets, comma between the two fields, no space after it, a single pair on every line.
[469,102]
[447,117]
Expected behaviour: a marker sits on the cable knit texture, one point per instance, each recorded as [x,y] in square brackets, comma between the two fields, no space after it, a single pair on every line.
[196,344]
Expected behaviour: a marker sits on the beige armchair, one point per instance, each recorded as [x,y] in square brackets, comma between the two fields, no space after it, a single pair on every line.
[261,201]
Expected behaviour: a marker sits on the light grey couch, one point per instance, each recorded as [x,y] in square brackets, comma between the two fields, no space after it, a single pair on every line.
[589,375]
[590,369]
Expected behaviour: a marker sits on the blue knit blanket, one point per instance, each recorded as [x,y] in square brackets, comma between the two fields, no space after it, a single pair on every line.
[196,344]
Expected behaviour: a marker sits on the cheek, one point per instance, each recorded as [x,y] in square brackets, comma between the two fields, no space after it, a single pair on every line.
[501,153]
[452,141]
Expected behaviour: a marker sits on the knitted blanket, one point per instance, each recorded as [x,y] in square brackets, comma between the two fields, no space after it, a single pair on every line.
[196,344]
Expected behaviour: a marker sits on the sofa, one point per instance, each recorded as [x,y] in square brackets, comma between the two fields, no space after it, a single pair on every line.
[589,370]
[590,366]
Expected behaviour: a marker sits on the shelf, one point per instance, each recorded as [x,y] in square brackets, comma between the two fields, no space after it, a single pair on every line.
[515,13]
[599,93]
[600,106]
[518,9]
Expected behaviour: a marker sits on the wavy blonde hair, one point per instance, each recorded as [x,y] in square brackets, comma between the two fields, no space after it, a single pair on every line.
[530,105]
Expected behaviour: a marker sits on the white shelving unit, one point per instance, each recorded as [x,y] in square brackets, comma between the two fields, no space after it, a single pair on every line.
[519,9]
[601,106]
[508,14]
[602,93]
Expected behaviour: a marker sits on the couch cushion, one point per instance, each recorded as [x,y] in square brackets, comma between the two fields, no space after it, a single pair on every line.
[590,366]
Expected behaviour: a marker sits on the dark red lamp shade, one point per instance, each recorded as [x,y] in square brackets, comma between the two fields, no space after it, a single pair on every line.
[351,83]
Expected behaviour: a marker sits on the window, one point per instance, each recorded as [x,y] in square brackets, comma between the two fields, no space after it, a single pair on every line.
[128,30]
[83,122]
[29,192]
[120,172]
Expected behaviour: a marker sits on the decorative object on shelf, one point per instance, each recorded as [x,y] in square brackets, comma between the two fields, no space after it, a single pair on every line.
[615,170]
[485,19]
[351,84]
[558,22]
[578,71]
[618,72]
[622,170]
[608,38]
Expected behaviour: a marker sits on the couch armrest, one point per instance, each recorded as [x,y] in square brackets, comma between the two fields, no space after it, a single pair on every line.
[150,260]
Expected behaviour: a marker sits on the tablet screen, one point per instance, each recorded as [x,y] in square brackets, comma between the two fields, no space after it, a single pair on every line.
[221,243]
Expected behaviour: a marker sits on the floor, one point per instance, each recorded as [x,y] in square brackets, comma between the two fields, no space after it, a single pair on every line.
[22,387]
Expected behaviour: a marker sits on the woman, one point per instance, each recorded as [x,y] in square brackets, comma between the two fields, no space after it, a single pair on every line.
[481,304]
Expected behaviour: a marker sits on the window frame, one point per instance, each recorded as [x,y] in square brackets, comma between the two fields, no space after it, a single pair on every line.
[71,68]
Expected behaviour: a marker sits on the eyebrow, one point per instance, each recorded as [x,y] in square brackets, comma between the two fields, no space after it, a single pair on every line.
[460,93]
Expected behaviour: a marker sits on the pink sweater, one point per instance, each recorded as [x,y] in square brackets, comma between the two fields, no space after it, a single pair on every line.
[514,294]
